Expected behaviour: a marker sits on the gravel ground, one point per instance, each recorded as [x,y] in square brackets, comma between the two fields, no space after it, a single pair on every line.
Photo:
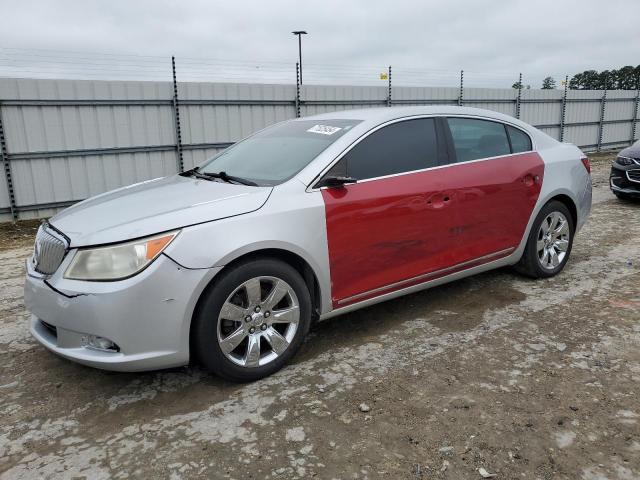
[524,379]
[19,234]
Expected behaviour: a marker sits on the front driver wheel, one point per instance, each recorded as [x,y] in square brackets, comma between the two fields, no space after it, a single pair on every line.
[253,320]
[549,243]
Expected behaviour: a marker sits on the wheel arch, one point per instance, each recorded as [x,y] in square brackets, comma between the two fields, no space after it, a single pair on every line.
[563,196]
[568,202]
[302,266]
[285,255]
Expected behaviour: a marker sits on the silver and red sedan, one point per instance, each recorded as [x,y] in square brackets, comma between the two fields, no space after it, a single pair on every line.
[230,262]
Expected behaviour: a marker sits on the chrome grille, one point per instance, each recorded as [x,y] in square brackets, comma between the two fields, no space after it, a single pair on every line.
[633,175]
[49,250]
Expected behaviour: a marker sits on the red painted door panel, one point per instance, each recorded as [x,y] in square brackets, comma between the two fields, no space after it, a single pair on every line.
[392,230]
[386,230]
[494,201]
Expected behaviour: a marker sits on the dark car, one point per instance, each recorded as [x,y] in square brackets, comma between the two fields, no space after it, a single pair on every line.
[625,173]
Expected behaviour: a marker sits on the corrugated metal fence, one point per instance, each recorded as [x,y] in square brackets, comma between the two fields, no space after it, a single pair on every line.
[66,140]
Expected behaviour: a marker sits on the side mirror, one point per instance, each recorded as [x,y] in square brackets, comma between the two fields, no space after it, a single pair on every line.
[335,181]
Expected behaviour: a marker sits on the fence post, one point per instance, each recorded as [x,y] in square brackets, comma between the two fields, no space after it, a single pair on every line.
[4,154]
[389,83]
[297,90]
[176,117]
[635,111]
[603,105]
[563,118]
[461,94]
[519,97]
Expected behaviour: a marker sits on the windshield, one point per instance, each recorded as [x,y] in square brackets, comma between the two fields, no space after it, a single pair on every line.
[276,154]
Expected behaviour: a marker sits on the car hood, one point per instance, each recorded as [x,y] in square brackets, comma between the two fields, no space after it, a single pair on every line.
[633,151]
[155,206]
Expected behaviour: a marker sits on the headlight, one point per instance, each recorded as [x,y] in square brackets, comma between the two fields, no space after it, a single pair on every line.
[117,261]
[626,161]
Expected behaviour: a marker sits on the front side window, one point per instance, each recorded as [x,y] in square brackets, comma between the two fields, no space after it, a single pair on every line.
[397,148]
[474,139]
[277,153]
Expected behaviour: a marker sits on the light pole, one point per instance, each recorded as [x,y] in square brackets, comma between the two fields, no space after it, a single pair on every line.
[299,33]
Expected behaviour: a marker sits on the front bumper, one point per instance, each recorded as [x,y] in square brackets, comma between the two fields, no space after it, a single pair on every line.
[620,181]
[148,316]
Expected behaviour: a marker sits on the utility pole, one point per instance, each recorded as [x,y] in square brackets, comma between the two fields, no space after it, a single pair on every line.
[299,33]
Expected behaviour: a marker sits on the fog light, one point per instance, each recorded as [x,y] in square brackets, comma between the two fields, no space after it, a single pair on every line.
[100,343]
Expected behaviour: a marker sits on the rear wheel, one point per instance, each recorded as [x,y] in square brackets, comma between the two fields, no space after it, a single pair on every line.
[549,243]
[253,320]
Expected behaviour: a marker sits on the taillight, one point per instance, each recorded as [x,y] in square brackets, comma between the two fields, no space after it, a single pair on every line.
[587,165]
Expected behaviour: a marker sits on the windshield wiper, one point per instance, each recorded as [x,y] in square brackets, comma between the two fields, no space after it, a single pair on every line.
[219,175]
[194,172]
[227,178]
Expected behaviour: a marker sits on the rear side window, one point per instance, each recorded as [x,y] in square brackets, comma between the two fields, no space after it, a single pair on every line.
[400,147]
[520,141]
[474,139]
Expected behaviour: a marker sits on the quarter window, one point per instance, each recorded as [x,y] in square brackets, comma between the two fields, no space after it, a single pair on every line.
[400,147]
[520,141]
[474,139]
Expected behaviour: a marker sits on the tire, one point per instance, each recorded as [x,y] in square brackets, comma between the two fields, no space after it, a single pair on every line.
[271,329]
[538,257]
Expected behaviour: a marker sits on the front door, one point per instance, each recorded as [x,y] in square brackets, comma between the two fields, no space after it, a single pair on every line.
[395,224]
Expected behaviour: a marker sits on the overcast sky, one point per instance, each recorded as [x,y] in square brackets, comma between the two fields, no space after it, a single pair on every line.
[492,40]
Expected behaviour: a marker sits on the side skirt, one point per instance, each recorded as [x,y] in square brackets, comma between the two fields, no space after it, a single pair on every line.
[502,262]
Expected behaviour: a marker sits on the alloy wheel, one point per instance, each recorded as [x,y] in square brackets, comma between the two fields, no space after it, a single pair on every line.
[553,240]
[258,321]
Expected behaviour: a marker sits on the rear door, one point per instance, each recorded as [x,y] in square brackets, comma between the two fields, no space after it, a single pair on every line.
[394,225]
[495,179]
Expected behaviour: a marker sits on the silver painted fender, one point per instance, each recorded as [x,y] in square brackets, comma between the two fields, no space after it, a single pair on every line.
[292,220]
[564,174]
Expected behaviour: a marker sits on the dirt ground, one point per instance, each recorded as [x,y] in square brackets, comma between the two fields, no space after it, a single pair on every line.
[525,379]
[19,234]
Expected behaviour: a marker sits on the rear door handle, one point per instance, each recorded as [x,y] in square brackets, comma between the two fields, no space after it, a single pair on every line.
[529,180]
[438,200]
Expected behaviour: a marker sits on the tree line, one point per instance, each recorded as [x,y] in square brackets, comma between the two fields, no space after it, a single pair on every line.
[625,78]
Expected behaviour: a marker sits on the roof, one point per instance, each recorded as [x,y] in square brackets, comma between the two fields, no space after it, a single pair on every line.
[384,114]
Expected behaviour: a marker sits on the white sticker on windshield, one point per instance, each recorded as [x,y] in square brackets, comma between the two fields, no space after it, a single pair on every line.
[324,129]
